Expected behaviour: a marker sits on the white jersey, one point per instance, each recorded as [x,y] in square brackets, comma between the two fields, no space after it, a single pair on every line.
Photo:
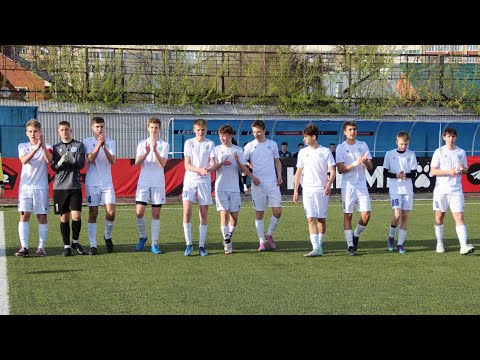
[99,173]
[227,176]
[200,154]
[397,162]
[348,154]
[316,164]
[262,156]
[152,174]
[445,159]
[35,173]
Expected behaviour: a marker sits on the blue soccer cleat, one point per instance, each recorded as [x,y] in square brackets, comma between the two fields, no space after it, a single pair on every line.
[188,250]
[390,243]
[141,244]
[155,249]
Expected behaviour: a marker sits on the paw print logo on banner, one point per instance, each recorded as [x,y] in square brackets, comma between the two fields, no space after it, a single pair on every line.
[423,181]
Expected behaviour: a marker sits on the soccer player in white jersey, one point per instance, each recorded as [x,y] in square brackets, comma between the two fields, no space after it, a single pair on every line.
[263,155]
[101,155]
[199,156]
[152,155]
[314,162]
[353,157]
[400,167]
[227,192]
[35,156]
[449,163]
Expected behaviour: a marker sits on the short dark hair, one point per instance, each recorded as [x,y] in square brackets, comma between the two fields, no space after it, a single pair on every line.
[332,144]
[97,120]
[450,131]
[311,130]
[226,129]
[349,123]
[301,144]
[285,143]
[64,123]
[259,123]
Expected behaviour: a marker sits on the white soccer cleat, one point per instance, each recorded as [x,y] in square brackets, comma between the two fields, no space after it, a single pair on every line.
[228,248]
[469,248]
[440,248]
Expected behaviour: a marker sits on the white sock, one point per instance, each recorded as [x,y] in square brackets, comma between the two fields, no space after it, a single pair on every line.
[320,238]
[260,230]
[225,231]
[273,225]
[203,235]
[155,231]
[402,234]
[349,237]
[42,235]
[108,229]
[392,231]
[314,241]
[359,230]
[187,230]
[439,233]
[142,227]
[23,233]
[462,234]
[231,229]
[92,234]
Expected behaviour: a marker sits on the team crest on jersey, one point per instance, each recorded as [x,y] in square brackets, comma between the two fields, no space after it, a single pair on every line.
[206,146]
[459,157]
[359,149]
[269,147]
[73,149]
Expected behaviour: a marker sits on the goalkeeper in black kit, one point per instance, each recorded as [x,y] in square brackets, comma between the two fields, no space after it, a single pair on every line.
[68,160]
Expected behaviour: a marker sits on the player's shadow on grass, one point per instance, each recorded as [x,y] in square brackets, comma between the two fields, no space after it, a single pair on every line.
[379,247]
[41,272]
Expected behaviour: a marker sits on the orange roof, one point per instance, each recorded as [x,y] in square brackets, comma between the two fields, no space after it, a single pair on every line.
[18,76]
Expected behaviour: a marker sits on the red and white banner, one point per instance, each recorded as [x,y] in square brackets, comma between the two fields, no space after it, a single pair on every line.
[124,172]
[125,175]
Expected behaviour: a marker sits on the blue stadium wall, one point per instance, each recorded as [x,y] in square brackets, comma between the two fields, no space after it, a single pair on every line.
[12,127]
[425,136]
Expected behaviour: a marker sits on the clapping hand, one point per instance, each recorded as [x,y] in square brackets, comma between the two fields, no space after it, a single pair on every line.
[69,158]
[101,140]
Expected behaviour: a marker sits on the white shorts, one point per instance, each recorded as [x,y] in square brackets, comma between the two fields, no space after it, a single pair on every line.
[315,204]
[146,193]
[264,191]
[401,201]
[358,197]
[441,202]
[34,201]
[203,192]
[228,201]
[100,195]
